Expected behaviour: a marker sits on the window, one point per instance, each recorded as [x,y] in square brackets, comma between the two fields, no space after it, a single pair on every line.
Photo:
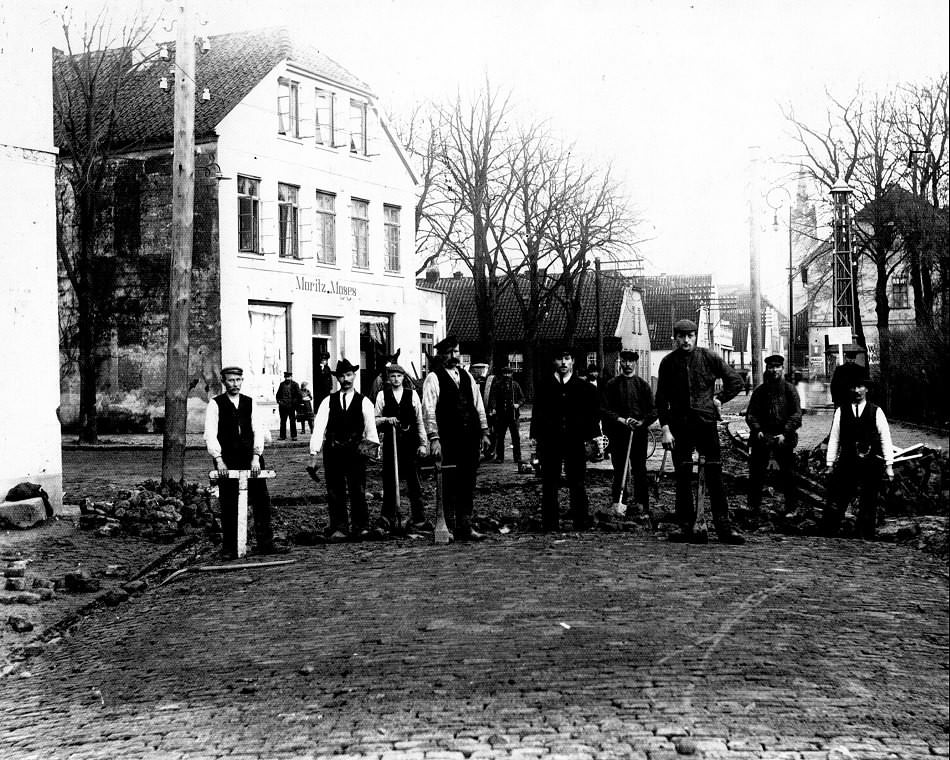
[900,292]
[323,119]
[515,361]
[326,228]
[591,359]
[288,108]
[426,344]
[358,127]
[249,214]
[359,219]
[391,220]
[287,210]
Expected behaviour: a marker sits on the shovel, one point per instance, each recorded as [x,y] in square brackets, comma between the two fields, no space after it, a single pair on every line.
[441,533]
[621,510]
[396,472]
[241,476]
[699,524]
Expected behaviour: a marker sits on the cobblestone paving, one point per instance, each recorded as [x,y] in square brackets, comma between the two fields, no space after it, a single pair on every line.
[563,646]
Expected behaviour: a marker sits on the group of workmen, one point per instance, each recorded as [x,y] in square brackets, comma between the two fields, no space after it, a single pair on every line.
[447,427]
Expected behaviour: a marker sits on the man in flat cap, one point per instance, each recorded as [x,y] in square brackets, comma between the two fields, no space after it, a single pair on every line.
[345,419]
[565,417]
[627,411]
[689,408]
[288,399]
[860,454]
[774,416]
[234,434]
[505,398]
[457,428]
[399,417]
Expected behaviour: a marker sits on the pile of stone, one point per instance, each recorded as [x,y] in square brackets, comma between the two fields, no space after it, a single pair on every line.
[156,511]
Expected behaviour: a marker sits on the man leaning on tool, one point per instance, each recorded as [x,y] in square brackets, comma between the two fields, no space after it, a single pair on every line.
[774,416]
[689,407]
[458,431]
[234,434]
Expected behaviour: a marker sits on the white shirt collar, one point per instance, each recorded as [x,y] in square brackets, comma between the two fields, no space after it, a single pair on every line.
[567,377]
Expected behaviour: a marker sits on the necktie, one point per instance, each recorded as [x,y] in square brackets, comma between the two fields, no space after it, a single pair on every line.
[856,412]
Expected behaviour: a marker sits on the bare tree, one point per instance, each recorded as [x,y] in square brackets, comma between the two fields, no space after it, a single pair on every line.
[87,80]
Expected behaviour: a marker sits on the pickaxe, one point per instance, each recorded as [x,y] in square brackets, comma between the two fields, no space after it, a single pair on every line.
[699,524]
[441,533]
[241,476]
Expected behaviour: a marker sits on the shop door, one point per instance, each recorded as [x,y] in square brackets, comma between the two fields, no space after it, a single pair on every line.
[375,346]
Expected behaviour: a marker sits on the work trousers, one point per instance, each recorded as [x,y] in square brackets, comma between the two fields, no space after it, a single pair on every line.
[638,466]
[759,455]
[460,454]
[258,499]
[703,438]
[850,476]
[287,414]
[345,471]
[502,425]
[572,456]
[408,471]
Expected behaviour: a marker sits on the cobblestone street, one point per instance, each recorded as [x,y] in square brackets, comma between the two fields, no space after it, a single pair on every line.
[537,646]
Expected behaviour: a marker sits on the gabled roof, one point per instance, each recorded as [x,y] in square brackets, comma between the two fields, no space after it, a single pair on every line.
[669,298]
[462,317]
[235,64]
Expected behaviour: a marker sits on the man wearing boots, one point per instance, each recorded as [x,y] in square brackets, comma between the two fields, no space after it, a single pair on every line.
[565,417]
[288,400]
[234,435]
[688,408]
[860,452]
[398,409]
[344,421]
[627,409]
[504,408]
[774,416]
[457,428]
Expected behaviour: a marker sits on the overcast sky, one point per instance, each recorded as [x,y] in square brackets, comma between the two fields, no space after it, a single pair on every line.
[671,93]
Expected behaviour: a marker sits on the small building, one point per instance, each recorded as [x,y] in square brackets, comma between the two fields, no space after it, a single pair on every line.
[303,231]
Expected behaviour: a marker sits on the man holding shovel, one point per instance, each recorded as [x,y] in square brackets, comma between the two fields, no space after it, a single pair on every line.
[234,435]
[627,412]
[399,419]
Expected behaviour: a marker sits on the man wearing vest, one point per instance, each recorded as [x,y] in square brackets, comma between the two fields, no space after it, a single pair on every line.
[565,417]
[234,434]
[859,453]
[457,428]
[398,408]
[774,416]
[344,420]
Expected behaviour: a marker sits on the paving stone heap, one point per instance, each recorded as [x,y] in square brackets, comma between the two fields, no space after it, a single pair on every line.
[157,511]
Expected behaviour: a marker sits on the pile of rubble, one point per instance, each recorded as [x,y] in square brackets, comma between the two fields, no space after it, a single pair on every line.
[156,511]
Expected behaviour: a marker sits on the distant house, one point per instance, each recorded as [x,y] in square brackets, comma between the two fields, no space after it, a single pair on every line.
[622,320]
[303,231]
[738,315]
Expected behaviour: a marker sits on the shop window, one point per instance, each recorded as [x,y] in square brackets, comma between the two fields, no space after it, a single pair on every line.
[323,117]
[359,220]
[249,214]
[288,107]
[391,218]
[268,350]
[288,220]
[326,228]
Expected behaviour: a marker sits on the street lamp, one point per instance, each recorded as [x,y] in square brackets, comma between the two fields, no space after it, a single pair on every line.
[791,270]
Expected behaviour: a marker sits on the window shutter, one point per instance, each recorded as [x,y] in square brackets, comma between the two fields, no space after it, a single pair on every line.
[373,132]
[305,240]
[341,136]
[268,227]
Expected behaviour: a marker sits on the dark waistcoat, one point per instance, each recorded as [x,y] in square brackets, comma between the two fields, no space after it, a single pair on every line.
[235,432]
[858,435]
[345,428]
[402,410]
[455,412]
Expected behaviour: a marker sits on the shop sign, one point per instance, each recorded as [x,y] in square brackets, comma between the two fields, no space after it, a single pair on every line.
[332,287]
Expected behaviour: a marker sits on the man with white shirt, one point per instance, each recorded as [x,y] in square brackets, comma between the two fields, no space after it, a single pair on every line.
[398,409]
[345,419]
[457,428]
[859,453]
[234,433]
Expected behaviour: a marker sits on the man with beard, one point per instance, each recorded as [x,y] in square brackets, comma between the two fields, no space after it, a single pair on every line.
[689,408]
[344,420]
[565,418]
[234,434]
[628,410]
[774,415]
[458,430]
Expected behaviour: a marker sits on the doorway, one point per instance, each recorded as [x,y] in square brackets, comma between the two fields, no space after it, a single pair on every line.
[375,346]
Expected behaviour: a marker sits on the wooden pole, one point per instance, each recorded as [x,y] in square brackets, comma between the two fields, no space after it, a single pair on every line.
[755,325]
[600,334]
[179,280]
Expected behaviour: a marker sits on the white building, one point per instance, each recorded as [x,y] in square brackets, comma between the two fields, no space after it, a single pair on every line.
[29,389]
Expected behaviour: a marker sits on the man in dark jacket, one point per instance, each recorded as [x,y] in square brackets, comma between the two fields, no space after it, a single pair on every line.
[234,434]
[505,398]
[627,411]
[688,408]
[288,399]
[564,419]
[774,415]
[322,381]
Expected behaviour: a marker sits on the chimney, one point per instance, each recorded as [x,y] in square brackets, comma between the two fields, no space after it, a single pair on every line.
[457,274]
[433,274]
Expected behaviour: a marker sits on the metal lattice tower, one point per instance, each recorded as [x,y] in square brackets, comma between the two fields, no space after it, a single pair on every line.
[843,291]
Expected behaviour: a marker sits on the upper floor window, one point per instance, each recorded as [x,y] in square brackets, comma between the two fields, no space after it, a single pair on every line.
[516,362]
[358,127]
[323,118]
[391,220]
[288,220]
[249,214]
[326,228]
[288,107]
[359,219]
[900,292]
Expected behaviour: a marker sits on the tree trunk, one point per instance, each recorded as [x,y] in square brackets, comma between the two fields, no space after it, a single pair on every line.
[923,311]
[883,309]
[88,374]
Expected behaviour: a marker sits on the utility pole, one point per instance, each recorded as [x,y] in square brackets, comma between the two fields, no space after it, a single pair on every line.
[600,335]
[179,281]
[755,337]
